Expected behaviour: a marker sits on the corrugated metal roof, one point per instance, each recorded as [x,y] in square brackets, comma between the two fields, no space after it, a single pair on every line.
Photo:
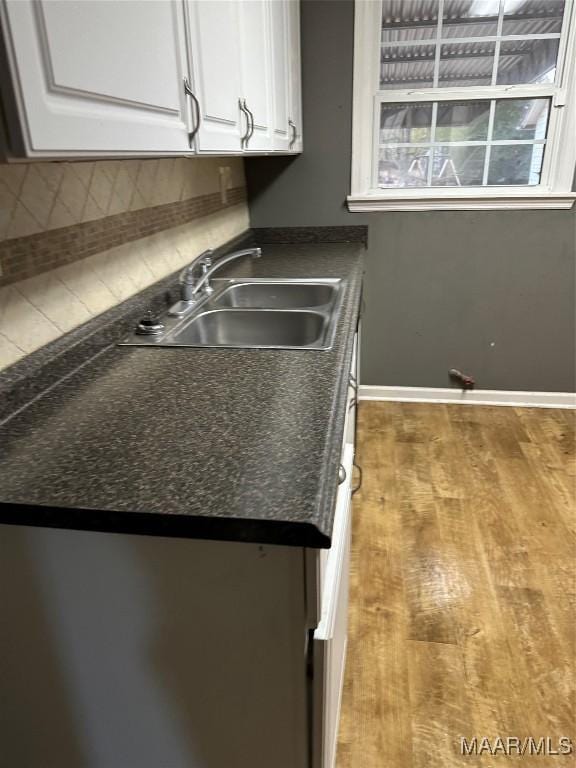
[466,63]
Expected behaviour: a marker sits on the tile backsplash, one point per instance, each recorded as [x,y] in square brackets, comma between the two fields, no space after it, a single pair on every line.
[36,197]
[44,208]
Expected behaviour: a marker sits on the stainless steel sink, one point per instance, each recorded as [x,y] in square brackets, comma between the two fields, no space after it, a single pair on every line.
[276,295]
[252,328]
[255,313]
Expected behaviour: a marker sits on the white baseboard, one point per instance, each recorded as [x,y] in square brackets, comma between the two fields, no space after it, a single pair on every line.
[469,397]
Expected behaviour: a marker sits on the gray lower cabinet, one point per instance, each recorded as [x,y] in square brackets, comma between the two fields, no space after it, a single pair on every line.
[121,651]
[124,651]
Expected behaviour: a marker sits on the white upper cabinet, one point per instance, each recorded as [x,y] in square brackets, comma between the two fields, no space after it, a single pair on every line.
[215,58]
[91,77]
[256,88]
[95,78]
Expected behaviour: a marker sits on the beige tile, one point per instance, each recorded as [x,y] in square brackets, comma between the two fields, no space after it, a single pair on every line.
[185,243]
[133,263]
[131,167]
[55,301]
[72,193]
[13,176]
[51,173]
[110,168]
[113,274]
[7,205]
[82,280]
[23,324]
[177,178]
[22,223]
[238,178]
[4,222]
[155,256]
[92,210]
[84,171]
[37,196]
[225,225]
[137,202]
[145,180]
[206,179]
[121,193]
[172,255]
[9,352]
[60,216]
[193,239]
[101,187]
[162,192]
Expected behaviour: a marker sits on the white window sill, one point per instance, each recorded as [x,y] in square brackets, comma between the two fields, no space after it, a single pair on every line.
[463,200]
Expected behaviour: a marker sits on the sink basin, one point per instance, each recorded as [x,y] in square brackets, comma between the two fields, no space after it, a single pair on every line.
[252,328]
[276,295]
[253,313]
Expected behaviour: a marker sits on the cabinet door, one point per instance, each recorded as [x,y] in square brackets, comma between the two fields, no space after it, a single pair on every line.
[215,54]
[256,71]
[330,637]
[295,79]
[280,73]
[97,78]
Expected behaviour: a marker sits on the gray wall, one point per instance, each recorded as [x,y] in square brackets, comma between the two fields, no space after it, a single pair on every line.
[490,292]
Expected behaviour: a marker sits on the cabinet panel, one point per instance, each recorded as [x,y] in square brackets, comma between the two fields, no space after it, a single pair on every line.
[295,79]
[150,652]
[330,637]
[98,78]
[215,54]
[256,70]
[280,73]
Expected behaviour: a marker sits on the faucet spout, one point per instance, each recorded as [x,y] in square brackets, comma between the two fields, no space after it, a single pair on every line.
[192,284]
[203,282]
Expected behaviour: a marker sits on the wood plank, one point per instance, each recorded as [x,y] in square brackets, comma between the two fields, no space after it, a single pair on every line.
[463,592]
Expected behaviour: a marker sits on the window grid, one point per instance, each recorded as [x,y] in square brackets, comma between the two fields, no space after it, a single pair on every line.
[429,175]
[436,92]
[499,26]
[489,147]
[473,142]
[487,143]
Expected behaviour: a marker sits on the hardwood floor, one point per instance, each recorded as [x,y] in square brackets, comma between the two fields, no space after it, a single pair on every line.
[463,585]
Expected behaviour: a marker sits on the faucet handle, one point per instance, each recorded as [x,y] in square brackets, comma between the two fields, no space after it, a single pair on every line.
[206,258]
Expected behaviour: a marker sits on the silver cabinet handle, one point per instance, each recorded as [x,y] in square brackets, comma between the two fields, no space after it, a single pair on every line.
[292,127]
[359,484]
[246,136]
[250,122]
[341,474]
[189,92]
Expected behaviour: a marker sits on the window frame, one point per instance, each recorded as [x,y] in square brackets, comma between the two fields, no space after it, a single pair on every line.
[555,188]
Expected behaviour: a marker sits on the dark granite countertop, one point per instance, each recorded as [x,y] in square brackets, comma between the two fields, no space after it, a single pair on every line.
[216,443]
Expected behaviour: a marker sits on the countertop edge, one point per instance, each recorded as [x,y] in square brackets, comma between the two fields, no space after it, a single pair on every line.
[244,530]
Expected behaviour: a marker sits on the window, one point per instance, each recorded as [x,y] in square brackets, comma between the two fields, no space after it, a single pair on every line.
[463,104]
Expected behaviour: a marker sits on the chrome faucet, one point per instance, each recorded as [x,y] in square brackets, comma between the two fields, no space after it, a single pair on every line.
[188,278]
[192,285]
